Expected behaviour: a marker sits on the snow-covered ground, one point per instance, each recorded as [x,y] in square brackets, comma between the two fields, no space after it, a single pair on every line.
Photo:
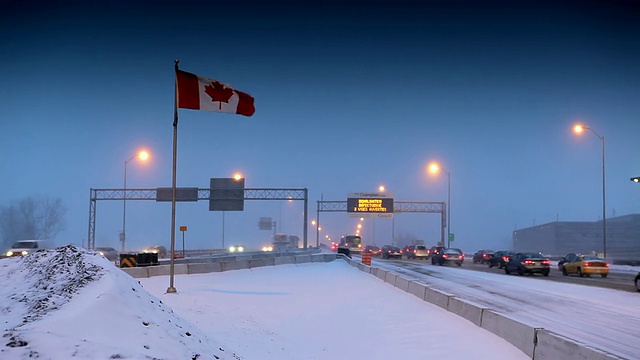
[72,304]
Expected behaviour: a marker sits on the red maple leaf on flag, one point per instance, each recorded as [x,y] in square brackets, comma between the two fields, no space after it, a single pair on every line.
[218,92]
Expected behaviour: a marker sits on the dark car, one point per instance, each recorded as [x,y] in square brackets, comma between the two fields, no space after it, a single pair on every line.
[528,263]
[500,258]
[482,256]
[390,251]
[564,260]
[372,249]
[417,252]
[637,281]
[442,256]
[108,252]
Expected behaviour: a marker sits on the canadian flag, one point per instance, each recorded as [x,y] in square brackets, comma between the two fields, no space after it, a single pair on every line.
[201,93]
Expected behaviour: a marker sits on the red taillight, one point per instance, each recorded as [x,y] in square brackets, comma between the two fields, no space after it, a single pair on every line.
[527,262]
[587,264]
[445,256]
[546,262]
[607,265]
[400,251]
[505,258]
[415,251]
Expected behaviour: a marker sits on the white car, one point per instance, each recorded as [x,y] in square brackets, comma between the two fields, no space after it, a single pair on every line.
[236,248]
[25,247]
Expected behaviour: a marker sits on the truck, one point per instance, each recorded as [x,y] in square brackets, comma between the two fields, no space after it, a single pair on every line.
[284,242]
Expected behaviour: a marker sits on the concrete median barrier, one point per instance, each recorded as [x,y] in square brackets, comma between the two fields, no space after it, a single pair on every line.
[203,268]
[467,310]
[281,260]
[438,298]
[401,283]
[390,278]
[301,259]
[178,269]
[254,263]
[551,346]
[137,273]
[518,334]
[363,267]
[235,265]
[417,289]
[381,274]
[317,258]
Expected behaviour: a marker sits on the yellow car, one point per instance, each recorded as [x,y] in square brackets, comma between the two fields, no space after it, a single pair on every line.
[585,265]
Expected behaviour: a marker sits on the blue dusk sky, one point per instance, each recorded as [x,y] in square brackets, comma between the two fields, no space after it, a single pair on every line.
[348,96]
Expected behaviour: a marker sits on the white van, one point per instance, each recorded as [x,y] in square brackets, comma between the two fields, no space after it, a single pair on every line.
[25,247]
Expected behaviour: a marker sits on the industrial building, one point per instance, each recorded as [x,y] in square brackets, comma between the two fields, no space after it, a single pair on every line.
[556,239]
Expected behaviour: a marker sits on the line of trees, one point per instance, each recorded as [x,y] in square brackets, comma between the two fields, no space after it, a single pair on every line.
[33,217]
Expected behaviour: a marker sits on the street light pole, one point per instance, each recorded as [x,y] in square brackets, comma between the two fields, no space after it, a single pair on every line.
[448,209]
[143,155]
[579,129]
[123,235]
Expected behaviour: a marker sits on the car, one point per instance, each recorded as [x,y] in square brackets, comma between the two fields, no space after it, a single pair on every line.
[390,251]
[26,247]
[585,265]
[482,256]
[236,248]
[528,263]
[500,258]
[637,282]
[372,249]
[108,252]
[417,252]
[442,256]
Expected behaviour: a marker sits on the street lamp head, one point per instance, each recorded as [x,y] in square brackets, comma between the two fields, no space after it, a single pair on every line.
[434,168]
[237,176]
[143,155]
[635,179]
[579,129]
[381,188]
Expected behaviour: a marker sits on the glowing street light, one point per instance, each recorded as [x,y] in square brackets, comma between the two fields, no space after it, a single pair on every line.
[381,188]
[579,129]
[144,156]
[435,168]
[635,179]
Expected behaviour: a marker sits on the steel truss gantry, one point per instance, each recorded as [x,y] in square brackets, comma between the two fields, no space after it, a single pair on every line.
[203,194]
[398,207]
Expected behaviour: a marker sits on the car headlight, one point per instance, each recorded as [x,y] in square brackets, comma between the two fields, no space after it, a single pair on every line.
[25,252]
[232,249]
[240,248]
[9,253]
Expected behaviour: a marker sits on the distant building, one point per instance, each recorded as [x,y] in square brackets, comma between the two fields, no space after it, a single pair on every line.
[563,237]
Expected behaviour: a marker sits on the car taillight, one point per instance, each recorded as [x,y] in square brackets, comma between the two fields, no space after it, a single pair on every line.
[607,265]
[587,264]
[527,262]
[505,258]
[445,256]
[546,262]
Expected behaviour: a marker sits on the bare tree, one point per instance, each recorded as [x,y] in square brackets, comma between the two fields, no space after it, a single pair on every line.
[31,218]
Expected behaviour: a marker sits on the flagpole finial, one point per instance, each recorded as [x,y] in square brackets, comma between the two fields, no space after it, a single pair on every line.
[177,61]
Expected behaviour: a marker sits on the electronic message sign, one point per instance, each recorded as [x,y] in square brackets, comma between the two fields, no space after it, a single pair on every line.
[370,204]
